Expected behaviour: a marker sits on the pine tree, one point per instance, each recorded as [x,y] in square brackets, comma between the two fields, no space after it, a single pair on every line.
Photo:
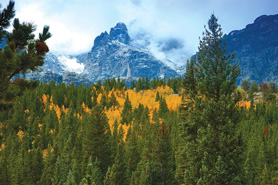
[112,101]
[61,170]
[162,158]
[273,88]
[254,87]
[34,166]
[22,53]
[4,174]
[139,85]
[245,85]
[132,151]
[114,140]
[157,96]
[107,180]
[127,111]
[70,179]
[49,162]
[163,108]
[119,170]
[93,174]
[189,82]
[153,83]
[132,86]
[94,103]
[209,153]
[143,173]
[97,142]
[103,101]
[147,83]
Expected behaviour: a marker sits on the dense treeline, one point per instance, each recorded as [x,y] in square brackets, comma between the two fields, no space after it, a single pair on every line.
[74,145]
[41,144]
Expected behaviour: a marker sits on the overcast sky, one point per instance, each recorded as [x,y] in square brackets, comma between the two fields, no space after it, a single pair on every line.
[75,23]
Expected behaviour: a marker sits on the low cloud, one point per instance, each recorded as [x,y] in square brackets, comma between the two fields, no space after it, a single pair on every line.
[170,44]
[74,24]
[71,64]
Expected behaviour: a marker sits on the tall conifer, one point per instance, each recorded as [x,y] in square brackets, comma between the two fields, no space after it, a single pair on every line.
[209,153]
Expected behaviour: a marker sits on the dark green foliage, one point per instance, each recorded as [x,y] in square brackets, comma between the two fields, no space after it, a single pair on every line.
[273,88]
[143,173]
[94,96]
[139,85]
[157,96]
[118,173]
[254,87]
[103,101]
[93,173]
[269,97]
[189,81]
[163,108]
[132,151]
[97,139]
[22,53]
[112,84]
[148,149]
[163,171]
[132,86]
[48,173]
[114,140]
[112,101]
[209,150]
[127,111]
[6,15]
[245,85]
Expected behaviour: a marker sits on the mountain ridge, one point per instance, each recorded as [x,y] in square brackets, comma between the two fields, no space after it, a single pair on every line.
[116,54]
[256,48]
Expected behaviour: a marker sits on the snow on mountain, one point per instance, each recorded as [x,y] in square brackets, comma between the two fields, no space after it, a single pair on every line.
[71,64]
[113,56]
[59,63]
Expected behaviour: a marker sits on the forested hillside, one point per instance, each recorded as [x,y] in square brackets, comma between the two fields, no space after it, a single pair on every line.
[57,134]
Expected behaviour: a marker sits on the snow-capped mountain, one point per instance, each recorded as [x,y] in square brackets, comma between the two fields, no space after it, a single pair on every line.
[113,56]
[59,63]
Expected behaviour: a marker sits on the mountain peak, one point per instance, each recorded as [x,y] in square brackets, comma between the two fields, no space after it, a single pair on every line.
[121,25]
[100,40]
[267,18]
[256,49]
[120,33]
[117,33]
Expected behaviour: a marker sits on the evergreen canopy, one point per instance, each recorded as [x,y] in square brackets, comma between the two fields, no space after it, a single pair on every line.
[23,53]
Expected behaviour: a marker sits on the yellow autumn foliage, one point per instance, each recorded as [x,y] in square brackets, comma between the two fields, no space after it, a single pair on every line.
[85,108]
[2,146]
[20,135]
[44,99]
[146,98]
[245,104]
[45,151]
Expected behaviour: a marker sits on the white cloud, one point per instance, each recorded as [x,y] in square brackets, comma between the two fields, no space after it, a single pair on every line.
[71,64]
[74,23]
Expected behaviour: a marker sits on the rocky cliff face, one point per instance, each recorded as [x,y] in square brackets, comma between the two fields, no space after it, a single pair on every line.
[113,56]
[256,48]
